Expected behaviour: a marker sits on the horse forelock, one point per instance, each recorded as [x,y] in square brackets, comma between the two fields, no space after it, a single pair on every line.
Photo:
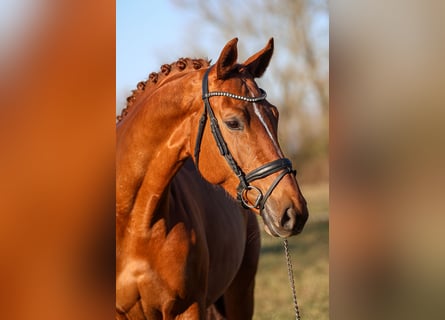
[155,79]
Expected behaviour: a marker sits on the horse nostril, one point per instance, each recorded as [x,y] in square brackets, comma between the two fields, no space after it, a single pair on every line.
[288,219]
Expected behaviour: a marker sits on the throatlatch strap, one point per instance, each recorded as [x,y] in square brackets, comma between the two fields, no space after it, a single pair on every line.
[202,123]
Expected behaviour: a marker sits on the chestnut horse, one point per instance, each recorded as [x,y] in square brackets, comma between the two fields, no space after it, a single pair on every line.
[188,240]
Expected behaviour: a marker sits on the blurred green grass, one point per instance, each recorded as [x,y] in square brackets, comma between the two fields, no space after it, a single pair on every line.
[310,253]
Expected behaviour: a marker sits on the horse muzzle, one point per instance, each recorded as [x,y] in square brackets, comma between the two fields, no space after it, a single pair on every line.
[289,223]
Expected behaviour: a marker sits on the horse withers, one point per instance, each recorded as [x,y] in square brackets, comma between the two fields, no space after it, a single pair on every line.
[188,240]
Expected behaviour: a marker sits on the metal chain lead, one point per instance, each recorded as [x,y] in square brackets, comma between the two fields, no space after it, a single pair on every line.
[290,273]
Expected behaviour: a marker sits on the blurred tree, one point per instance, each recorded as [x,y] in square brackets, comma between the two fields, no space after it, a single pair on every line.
[297,80]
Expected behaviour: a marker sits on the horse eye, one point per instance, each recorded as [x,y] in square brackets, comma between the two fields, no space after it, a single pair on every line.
[233,124]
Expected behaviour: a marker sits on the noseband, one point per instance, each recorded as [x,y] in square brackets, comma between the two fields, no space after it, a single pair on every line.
[244,187]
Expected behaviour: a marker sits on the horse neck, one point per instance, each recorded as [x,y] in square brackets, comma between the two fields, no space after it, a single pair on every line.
[152,144]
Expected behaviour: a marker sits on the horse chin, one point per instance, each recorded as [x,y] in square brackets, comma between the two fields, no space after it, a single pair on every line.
[271,229]
[269,232]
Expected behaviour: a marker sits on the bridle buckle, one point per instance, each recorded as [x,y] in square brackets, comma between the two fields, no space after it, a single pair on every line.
[245,200]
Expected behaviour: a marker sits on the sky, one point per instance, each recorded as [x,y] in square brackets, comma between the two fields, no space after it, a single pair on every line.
[137,32]
[146,38]
[151,33]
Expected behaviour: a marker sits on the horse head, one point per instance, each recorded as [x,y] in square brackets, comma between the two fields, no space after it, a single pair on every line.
[237,145]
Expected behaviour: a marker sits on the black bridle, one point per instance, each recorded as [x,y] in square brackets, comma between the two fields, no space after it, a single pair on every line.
[282,164]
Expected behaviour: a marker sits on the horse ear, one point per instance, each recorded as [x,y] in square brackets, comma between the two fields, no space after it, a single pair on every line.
[258,63]
[227,59]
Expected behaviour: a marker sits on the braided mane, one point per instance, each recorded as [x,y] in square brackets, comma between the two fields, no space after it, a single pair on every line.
[156,78]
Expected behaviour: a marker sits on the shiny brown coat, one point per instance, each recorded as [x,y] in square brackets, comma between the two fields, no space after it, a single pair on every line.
[182,243]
